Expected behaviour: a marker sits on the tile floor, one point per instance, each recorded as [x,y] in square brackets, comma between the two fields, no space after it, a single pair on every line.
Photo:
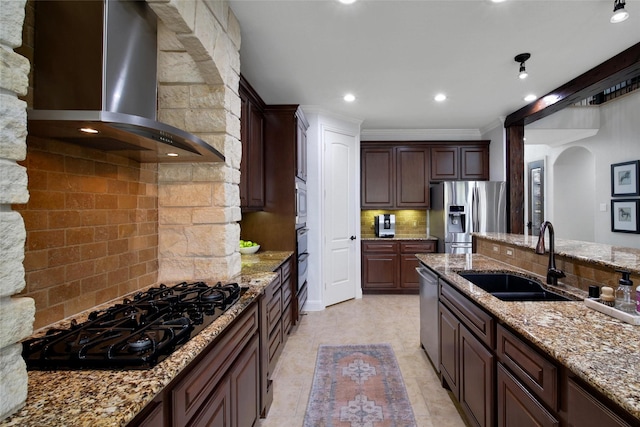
[373,319]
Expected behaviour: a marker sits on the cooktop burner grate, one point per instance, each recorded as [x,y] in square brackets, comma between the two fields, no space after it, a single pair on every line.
[135,334]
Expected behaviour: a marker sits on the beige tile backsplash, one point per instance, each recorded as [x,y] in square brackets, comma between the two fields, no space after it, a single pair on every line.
[407,221]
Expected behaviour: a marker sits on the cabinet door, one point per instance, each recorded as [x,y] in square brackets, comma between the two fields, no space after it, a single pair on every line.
[412,177]
[474,163]
[216,412]
[449,349]
[245,386]
[518,407]
[377,186]
[477,373]
[252,163]
[444,163]
[255,196]
[301,151]
[584,409]
[408,274]
[380,271]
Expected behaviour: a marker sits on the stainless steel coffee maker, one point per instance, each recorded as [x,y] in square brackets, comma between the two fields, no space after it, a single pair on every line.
[385,225]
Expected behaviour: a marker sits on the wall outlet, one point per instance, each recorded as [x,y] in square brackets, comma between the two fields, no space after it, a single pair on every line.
[496,248]
[603,207]
[509,252]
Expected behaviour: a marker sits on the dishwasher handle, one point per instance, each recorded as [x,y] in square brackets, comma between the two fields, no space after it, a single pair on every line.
[427,275]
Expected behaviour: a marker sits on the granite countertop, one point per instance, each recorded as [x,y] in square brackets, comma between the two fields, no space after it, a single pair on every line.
[401,237]
[599,349]
[101,398]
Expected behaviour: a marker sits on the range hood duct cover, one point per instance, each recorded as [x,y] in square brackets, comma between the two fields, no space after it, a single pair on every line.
[95,66]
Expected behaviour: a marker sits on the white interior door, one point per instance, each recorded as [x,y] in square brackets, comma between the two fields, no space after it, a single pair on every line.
[340,244]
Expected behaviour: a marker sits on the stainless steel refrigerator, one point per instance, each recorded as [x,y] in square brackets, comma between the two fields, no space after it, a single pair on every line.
[459,208]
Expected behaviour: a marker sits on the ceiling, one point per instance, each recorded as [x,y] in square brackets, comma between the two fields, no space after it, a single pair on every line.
[395,56]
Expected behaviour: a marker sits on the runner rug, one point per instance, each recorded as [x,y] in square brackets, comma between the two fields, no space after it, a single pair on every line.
[358,386]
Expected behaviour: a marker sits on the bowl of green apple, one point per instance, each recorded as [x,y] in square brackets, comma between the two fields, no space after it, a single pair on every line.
[248,247]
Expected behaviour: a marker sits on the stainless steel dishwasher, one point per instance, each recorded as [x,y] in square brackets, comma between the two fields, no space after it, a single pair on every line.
[429,322]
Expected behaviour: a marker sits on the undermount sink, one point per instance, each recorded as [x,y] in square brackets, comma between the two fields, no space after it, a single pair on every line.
[511,287]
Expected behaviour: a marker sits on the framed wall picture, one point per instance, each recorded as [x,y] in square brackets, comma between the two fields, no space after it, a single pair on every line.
[624,215]
[624,179]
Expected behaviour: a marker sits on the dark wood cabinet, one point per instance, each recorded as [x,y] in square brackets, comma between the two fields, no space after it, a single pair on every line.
[377,177]
[455,162]
[412,177]
[518,407]
[252,138]
[397,174]
[467,360]
[388,266]
[477,379]
[301,146]
[245,389]
[585,408]
[394,177]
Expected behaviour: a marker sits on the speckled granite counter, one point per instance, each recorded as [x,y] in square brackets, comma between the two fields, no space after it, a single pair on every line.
[113,398]
[597,348]
[401,237]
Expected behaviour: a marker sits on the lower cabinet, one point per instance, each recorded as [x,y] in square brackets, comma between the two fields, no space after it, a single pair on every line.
[519,407]
[220,388]
[467,368]
[501,379]
[389,266]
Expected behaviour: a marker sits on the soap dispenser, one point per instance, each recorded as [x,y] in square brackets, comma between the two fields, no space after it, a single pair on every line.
[623,293]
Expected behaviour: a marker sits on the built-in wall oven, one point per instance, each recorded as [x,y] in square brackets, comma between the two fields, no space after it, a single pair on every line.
[301,204]
[303,256]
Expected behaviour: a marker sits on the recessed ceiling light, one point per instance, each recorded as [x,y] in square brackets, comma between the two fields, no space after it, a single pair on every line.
[349,97]
[497,1]
[530,97]
[347,1]
[88,130]
[440,97]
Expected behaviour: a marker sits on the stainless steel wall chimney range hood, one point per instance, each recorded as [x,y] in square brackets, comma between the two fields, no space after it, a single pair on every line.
[95,68]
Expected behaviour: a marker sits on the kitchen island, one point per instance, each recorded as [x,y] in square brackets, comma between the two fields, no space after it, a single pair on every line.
[115,397]
[598,349]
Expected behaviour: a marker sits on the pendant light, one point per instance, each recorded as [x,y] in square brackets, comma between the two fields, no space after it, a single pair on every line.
[521,58]
[619,14]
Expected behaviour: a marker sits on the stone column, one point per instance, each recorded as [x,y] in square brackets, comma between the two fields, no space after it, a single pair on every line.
[16,314]
[198,203]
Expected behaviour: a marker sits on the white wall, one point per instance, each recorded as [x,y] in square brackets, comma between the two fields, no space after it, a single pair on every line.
[497,150]
[618,140]
[318,120]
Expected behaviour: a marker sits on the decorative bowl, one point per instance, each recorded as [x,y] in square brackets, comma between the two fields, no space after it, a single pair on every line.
[249,249]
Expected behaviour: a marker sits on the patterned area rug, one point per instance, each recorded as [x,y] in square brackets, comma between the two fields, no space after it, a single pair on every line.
[358,386]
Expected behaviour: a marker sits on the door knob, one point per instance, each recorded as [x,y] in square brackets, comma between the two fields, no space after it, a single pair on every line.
[352,238]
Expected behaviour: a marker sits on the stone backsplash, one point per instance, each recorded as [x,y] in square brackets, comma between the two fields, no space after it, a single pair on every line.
[413,222]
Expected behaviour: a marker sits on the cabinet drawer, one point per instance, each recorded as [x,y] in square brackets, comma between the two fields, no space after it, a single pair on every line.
[417,247]
[274,311]
[285,270]
[380,247]
[275,347]
[479,322]
[287,292]
[531,368]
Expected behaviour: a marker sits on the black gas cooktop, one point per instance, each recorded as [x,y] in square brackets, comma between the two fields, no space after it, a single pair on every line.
[135,334]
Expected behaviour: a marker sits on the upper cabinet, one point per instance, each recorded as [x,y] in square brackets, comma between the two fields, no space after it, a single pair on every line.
[301,145]
[398,174]
[394,177]
[460,162]
[252,137]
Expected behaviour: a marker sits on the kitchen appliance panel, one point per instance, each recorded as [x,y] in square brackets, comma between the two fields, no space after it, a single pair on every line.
[385,225]
[301,203]
[429,333]
[460,208]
